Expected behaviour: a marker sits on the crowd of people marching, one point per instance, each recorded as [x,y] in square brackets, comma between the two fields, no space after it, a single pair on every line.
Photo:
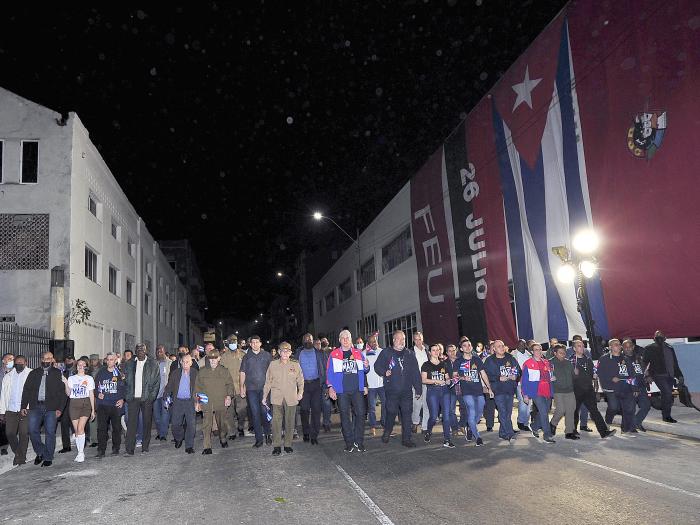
[243,390]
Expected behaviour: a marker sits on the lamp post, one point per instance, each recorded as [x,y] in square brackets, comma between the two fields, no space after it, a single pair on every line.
[356,241]
[580,264]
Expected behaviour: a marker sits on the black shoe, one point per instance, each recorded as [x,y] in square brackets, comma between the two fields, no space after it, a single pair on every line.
[241,433]
[128,454]
[276,451]
[586,429]
[426,436]
[535,433]
[232,437]
[607,433]
[385,438]
[489,429]
[470,436]
[268,439]
[115,453]
[479,442]
[670,420]
[64,450]
[224,444]
[408,444]
[47,463]
[38,460]
[553,429]
[326,428]
[349,448]
[549,440]
[641,427]
[571,436]
[306,438]
[93,445]
[178,443]
[144,451]
[314,441]
[206,452]
[288,450]
[522,426]
[100,455]
[360,448]
[189,450]
[258,444]
[448,444]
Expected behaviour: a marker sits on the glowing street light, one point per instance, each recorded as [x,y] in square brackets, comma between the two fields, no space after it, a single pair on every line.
[588,268]
[318,215]
[586,242]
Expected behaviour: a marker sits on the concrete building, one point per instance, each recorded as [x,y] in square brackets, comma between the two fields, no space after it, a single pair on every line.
[389,273]
[62,209]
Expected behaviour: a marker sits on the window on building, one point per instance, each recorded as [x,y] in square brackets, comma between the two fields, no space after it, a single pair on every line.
[129,342]
[24,241]
[161,313]
[116,231]
[132,248]
[368,328]
[30,161]
[397,251]
[116,340]
[2,148]
[167,292]
[367,274]
[330,300]
[92,205]
[91,264]
[149,283]
[147,303]
[344,290]
[320,308]
[130,292]
[407,323]
[113,280]
[172,321]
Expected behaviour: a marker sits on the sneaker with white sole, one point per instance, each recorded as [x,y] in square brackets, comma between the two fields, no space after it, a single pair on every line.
[138,443]
[79,458]
[448,444]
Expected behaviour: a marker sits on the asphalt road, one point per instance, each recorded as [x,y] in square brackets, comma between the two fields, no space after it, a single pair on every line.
[645,479]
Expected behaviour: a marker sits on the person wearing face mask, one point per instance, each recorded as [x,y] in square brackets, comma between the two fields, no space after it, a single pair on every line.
[16,426]
[43,398]
[326,401]
[214,383]
[7,366]
[662,363]
[238,410]
[314,371]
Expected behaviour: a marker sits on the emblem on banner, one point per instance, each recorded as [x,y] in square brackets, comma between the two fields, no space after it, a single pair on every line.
[645,135]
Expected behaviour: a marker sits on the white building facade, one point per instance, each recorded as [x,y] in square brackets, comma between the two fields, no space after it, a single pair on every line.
[61,207]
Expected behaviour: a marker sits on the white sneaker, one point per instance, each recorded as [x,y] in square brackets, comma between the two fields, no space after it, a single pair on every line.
[79,458]
[138,443]
[248,434]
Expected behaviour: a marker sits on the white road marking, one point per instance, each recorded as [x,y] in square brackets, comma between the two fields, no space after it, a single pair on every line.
[371,505]
[639,478]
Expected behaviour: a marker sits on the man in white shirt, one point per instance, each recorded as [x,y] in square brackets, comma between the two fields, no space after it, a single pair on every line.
[142,385]
[16,425]
[522,354]
[421,353]
[375,384]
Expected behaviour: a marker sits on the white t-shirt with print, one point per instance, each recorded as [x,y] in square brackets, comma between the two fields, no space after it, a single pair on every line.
[80,386]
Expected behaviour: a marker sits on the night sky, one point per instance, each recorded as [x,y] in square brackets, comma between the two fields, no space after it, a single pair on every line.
[229,125]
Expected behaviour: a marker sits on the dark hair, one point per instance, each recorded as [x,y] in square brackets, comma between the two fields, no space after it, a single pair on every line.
[8,353]
[577,337]
[20,356]
[558,346]
[254,337]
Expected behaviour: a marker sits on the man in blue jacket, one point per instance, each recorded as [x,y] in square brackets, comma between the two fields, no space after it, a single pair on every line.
[399,368]
[313,368]
[346,382]
[504,373]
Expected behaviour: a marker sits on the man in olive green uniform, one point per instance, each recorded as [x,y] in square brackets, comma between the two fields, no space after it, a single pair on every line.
[284,382]
[215,383]
[239,406]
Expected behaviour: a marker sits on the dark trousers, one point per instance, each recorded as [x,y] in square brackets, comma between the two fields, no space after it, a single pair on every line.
[403,402]
[17,426]
[613,406]
[439,399]
[643,405]
[504,403]
[37,416]
[3,435]
[182,421]
[489,411]
[352,417]
[136,407]
[372,395]
[542,421]
[106,416]
[311,404]
[665,384]
[627,402]
[260,423]
[327,407]
[66,427]
[587,398]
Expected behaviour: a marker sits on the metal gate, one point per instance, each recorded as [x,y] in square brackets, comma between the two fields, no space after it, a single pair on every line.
[29,342]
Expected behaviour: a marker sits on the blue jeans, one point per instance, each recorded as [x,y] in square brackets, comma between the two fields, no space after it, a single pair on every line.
[260,423]
[504,404]
[453,411]
[627,402]
[37,416]
[439,398]
[644,406]
[475,407]
[542,421]
[583,416]
[523,408]
[372,396]
[327,407]
[139,427]
[613,406]
[161,417]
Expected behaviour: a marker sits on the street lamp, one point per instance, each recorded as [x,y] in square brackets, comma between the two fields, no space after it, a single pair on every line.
[356,241]
[580,264]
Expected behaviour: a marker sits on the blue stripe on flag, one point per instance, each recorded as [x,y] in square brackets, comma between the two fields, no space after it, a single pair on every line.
[536,210]
[515,235]
[574,194]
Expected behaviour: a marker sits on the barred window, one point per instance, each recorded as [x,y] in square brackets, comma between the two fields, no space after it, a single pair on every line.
[367,274]
[344,290]
[330,300]
[369,327]
[397,251]
[30,161]
[24,241]
[407,323]
[116,340]
[129,342]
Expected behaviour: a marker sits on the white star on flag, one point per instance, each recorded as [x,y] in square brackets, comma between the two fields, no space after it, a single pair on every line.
[524,89]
